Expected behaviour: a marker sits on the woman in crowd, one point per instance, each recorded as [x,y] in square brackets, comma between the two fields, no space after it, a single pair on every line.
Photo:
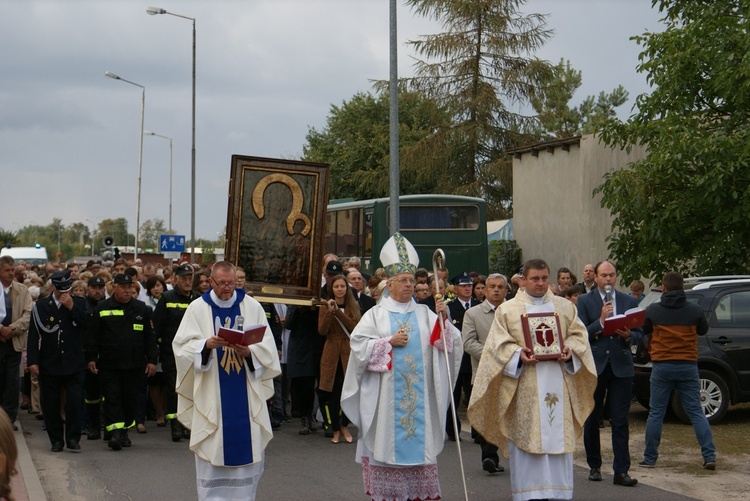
[336,321]
[564,280]
[480,284]
[201,282]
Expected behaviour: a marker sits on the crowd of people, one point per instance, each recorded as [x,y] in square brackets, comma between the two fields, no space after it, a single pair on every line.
[104,348]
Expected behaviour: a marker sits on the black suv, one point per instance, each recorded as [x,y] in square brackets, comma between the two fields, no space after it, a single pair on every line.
[723,353]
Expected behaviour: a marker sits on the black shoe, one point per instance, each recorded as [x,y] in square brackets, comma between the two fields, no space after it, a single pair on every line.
[490,466]
[646,464]
[275,425]
[709,465]
[114,440]
[624,479]
[57,447]
[185,433]
[126,440]
[314,425]
[595,475]
[74,446]
[94,435]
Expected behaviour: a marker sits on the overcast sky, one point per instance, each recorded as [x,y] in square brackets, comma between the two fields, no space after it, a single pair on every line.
[267,70]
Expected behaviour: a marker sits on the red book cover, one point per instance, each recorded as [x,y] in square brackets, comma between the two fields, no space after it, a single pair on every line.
[253,334]
[631,319]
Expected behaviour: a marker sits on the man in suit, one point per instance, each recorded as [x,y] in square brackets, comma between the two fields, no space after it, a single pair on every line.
[614,367]
[357,283]
[15,313]
[462,286]
[429,301]
[476,327]
[59,322]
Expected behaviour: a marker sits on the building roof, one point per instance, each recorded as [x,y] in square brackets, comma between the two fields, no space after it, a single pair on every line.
[548,146]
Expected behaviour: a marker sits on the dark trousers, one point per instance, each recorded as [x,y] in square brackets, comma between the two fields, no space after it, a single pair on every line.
[286,383]
[50,388]
[92,396]
[10,361]
[330,403]
[170,381]
[120,392]
[463,385]
[488,450]
[619,392]
[142,406]
[302,390]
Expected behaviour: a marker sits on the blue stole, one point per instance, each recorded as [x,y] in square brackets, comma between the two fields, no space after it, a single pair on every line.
[408,392]
[235,415]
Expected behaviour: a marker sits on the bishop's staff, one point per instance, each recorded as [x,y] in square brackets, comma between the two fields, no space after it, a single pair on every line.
[438,261]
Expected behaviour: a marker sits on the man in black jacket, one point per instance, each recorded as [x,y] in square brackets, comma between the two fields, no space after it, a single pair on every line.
[120,346]
[167,317]
[92,390]
[55,355]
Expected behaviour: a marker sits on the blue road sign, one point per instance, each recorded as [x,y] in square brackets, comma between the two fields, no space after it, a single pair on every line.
[171,243]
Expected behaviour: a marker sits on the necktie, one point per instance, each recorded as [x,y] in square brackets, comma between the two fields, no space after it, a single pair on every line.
[466,306]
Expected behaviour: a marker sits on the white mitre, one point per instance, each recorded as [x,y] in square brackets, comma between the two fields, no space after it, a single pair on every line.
[399,256]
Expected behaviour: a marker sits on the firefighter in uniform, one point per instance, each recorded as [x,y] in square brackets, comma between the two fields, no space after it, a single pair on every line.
[167,317]
[120,346]
[55,356]
[92,390]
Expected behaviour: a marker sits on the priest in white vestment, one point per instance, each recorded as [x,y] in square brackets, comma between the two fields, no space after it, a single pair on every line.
[534,409]
[397,388]
[222,389]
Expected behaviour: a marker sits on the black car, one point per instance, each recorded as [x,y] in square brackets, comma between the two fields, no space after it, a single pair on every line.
[723,353]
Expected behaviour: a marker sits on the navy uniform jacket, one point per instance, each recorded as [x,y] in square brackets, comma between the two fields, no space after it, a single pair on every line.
[61,332]
[456,310]
[167,317]
[612,349]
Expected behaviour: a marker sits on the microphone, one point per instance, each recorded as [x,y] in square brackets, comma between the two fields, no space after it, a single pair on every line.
[607,293]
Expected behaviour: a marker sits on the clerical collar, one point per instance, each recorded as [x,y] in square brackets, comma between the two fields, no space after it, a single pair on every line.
[223,304]
[535,300]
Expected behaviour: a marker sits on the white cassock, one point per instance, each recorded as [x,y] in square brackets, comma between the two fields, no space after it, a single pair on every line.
[400,410]
[227,467]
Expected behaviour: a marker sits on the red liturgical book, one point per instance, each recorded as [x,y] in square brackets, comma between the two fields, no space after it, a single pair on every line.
[634,317]
[253,334]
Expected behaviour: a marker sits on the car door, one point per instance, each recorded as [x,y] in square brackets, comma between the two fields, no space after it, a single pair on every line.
[729,331]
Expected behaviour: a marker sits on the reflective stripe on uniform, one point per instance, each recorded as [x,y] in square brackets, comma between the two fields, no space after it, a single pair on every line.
[115,426]
[170,417]
[112,313]
[87,401]
[177,305]
[137,327]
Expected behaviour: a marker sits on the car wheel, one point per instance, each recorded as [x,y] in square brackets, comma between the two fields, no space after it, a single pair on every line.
[714,398]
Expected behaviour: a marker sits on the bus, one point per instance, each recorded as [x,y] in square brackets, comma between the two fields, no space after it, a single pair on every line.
[456,224]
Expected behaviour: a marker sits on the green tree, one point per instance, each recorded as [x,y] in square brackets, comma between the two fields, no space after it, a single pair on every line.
[149,234]
[559,119]
[8,237]
[355,142]
[481,68]
[117,229]
[686,207]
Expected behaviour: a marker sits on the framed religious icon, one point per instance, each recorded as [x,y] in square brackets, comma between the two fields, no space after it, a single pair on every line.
[276,226]
[542,334]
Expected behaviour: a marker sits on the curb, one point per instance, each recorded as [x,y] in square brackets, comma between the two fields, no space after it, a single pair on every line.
[28,485]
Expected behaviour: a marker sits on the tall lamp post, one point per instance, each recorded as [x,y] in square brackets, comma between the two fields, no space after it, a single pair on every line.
[153,11]
[149,133]
[140,159]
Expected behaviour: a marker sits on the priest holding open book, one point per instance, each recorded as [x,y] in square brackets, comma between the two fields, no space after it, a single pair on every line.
[223,387]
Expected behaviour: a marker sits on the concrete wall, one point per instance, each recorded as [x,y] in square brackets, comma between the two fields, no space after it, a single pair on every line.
[556,216]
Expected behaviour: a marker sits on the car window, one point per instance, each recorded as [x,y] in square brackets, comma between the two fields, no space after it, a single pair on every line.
[732,310]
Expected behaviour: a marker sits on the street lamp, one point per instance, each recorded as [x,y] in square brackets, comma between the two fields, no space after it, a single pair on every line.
[140,158]
[149,133]
[153,11]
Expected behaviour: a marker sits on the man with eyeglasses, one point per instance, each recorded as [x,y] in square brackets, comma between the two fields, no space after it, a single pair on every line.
[167,317]
[223,388]
[397,387]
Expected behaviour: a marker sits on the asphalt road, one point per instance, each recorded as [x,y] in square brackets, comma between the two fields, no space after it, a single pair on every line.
[297,467]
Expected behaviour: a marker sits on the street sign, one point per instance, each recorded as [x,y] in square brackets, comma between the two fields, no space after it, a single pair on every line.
[172,255]
[171,243]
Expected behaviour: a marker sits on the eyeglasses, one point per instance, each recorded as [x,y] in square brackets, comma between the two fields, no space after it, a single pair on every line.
[409,281]
[224,285]
[240,277]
